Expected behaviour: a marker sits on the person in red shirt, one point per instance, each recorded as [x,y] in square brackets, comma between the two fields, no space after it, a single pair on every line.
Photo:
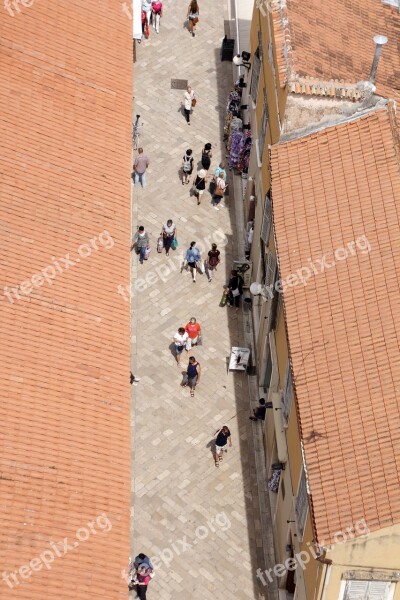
[141,581]
[194,330]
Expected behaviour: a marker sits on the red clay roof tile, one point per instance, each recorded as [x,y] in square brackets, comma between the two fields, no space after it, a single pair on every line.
[65,121]
[346,389]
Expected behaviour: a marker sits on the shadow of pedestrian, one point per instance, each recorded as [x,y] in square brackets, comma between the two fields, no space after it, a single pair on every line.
[211,446]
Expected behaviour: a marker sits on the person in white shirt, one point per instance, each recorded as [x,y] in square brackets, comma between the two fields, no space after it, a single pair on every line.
[188,98]
[181,342]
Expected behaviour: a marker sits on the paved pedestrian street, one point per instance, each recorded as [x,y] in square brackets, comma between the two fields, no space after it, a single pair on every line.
[200,524]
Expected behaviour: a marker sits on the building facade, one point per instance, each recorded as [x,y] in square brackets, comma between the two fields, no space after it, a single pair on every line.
[304,80]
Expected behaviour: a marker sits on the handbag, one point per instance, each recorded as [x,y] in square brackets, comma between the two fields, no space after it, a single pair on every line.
[147,253]
[160,244]
[194,101]
[174,244]
[235,292]
[200,266]
[195,20]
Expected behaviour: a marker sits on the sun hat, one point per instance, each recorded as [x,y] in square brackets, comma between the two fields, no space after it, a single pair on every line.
[202,173]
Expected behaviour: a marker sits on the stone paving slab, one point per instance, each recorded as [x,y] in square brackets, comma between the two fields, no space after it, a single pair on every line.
[202,522]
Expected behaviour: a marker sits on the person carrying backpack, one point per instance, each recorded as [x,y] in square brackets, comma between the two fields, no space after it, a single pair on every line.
[206,156]
[213,261]
[187,166]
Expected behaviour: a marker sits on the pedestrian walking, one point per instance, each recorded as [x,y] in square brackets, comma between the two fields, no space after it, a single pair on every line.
[193,375]
[146,9]
[193,330]
[222,438]
[189,101]
[193,259]
[187,166]
[140,166]
[213,260]
[141,571]
[168,233]
[156,7]
[180,340]
[220,171]
[206,155]
[199,183]
[259,412]
[235,289]
[142,242]
[219,191]
[193,16]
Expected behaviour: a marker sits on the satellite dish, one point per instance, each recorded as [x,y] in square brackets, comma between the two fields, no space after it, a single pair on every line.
[255,288]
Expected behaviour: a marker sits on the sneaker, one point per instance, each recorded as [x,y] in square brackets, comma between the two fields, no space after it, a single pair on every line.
[216,208]
[222,205]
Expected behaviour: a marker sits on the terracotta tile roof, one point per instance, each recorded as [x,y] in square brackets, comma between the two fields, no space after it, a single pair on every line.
[65,122]
[330,189]
[325,48]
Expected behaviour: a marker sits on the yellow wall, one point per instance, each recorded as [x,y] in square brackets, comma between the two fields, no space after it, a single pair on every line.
[380,549]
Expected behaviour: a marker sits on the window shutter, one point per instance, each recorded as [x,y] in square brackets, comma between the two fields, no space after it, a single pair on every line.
[287,393]
[255,76]
[301,505]
[367,590]
[270,269]
[267,220]
[378,590]
[264,123]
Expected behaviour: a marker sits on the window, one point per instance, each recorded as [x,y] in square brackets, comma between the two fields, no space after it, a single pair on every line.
[270,268]
[301,505]
[267,219]
[268,373]
[368,590]
[287,393]
[255,75]
[264,123]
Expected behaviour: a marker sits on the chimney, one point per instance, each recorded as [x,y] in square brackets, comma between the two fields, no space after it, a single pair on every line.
[379,41]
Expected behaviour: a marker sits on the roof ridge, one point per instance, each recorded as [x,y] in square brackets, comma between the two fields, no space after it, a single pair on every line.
[336,121]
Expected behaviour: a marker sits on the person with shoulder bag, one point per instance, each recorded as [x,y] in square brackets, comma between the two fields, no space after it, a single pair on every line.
[193,16]
[168,234]
[193,259]
[142,241]
[235,289]
[219,191]
[180,340]
[189,101]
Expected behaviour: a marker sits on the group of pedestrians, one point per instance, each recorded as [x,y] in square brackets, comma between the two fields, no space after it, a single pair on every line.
[187,337]
[151,14]
[217,182]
